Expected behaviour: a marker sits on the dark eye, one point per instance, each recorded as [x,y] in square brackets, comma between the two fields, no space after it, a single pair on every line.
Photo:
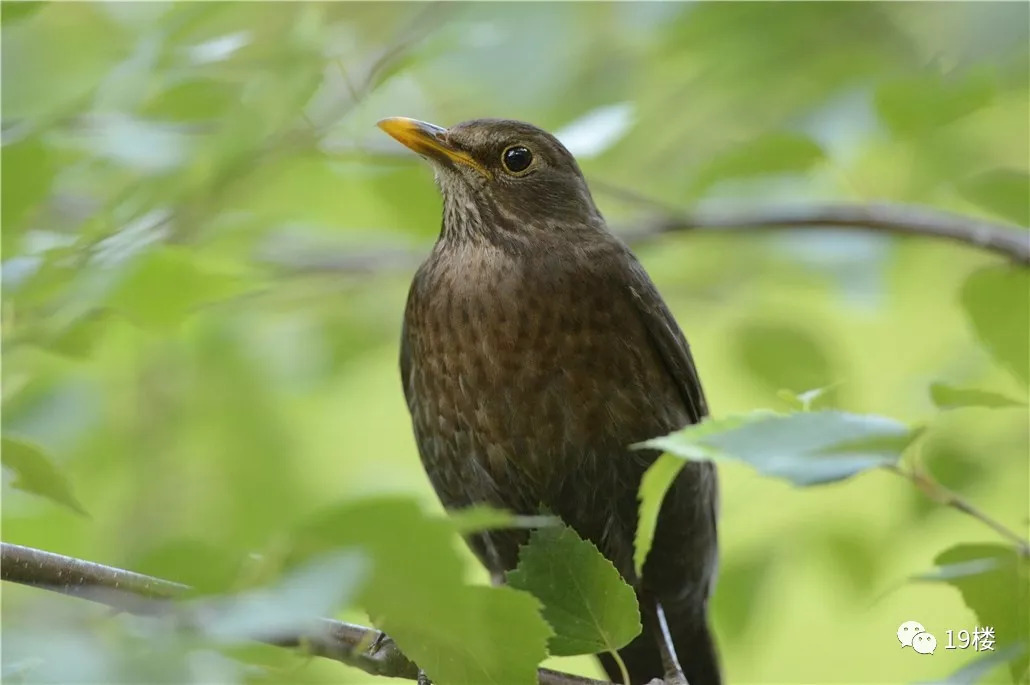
[516,158]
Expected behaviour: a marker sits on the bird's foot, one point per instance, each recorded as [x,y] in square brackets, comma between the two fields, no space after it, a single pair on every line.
[423,679]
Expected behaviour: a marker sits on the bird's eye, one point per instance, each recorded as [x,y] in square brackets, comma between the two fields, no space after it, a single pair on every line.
[516,158]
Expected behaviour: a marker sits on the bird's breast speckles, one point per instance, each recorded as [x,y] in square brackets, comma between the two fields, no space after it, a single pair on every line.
[485,329]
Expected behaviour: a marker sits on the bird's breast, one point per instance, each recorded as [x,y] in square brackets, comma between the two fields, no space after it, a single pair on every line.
[527,365]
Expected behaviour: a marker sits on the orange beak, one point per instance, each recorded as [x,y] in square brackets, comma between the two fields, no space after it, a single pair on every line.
[428,140]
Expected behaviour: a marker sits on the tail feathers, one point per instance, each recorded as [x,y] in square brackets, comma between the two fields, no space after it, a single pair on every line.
[695,648]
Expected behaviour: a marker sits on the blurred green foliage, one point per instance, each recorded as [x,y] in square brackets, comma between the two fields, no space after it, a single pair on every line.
[474,635]
[206,245]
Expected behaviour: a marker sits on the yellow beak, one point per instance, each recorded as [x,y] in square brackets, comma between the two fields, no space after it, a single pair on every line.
[428,140]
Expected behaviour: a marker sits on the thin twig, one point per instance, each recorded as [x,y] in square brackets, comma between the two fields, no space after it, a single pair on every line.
[938,493]
[1004,239]
[351,644]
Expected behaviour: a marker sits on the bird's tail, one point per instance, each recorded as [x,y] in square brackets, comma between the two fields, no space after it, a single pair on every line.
[694,645]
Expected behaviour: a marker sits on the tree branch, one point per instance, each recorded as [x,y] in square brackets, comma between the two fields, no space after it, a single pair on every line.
[365,648]
[1013,242]
[938,493]
[1008,240]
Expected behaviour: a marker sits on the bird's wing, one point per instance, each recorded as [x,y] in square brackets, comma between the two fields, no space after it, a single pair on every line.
[668,340]
[406,363]
[672,348]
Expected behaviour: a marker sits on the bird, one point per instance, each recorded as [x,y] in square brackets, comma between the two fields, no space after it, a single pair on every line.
[535,352]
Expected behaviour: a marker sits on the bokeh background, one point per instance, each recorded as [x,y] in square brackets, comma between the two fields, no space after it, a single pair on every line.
[207,245]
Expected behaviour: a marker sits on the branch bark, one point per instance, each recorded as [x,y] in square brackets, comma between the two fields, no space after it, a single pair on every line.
[358,646]
[1011,242]
[1007,240]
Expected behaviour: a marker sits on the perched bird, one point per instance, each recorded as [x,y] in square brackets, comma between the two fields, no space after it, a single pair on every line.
[535,350]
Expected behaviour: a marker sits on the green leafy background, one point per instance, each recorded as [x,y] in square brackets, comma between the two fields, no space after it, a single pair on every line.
[206,249]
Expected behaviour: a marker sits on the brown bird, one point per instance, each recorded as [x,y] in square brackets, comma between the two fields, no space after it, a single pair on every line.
[535,350]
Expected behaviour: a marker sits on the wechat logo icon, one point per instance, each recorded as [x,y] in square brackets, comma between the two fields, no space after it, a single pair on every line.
[913,634]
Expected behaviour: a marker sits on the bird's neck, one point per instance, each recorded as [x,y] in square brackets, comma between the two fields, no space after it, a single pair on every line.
[477,218]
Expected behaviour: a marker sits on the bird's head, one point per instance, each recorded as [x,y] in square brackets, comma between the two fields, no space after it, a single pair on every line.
[501,176]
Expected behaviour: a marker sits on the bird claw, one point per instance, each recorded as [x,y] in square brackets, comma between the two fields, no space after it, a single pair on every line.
[423,679]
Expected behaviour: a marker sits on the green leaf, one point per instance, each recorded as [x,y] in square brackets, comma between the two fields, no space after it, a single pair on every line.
[205,567]
[773,153]
[292,606]
[487,635]
[586,601]
[480,517]
[1005,192]
[36,474]
[392,530]
[166,285]
[807,448]
[997,301]
[919,104]
[994,581]
[456,633]
[656,482]
[950,397]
